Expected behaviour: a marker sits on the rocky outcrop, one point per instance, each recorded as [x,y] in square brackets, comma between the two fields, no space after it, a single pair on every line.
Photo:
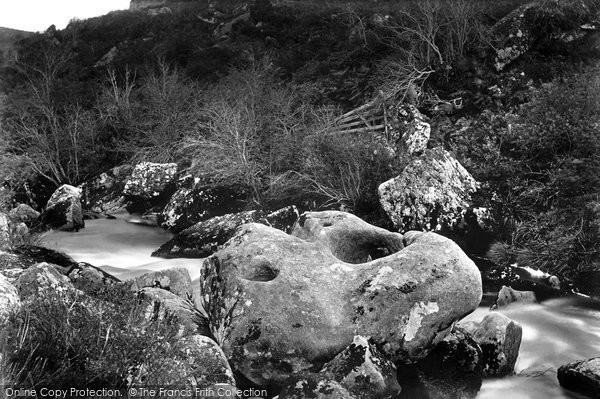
[44,281]
[432,192]
[581,376]
[9,299]
[176,280]
[205,238]
[149,184]
[164,305]
[282,304]
[63,210]
[195,364]
[412,129]
[499,339]
[103,194]
[190,205]
[508,295]
[535,22]
[23,213]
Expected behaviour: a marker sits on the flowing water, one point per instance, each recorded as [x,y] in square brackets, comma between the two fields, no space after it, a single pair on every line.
[555,332]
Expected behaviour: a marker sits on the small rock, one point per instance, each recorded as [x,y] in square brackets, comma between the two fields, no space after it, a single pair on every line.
[581,376]
[507,295]
[176,280]
[24,213]
[500,339]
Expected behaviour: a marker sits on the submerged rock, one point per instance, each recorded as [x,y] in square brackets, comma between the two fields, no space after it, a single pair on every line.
[431,193]
[581,376]
[63,210]
[281,304]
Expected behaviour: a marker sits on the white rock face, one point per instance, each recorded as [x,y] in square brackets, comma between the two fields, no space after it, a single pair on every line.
[148,180]
[432,191]
[63,210]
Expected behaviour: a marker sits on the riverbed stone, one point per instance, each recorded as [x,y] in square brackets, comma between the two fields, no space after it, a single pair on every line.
[10,301]
[499,338]
[63,210]
[508,295]
[431,193]
[282,304]
[149,186]
[581,376]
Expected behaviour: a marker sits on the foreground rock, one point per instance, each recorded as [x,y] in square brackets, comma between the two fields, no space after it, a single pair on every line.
[63,210]
[104,193]
[499,339]
[23,213]
[281,304]
[149,184]
[44,281]
[582,376]
[432,192]
[206,237]
[176,280]
[9,299]
[190,205]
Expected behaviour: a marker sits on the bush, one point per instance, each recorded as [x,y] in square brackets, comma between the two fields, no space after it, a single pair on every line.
[543,166]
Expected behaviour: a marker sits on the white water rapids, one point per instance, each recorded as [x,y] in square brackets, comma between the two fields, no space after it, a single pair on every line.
[555,332]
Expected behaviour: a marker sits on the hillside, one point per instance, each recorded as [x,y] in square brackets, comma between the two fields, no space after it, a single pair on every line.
[8,38]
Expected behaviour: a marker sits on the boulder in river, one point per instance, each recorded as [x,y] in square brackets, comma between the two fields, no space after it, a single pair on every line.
[280,304]
[432,192]
[205,238]
[150,184]
[104,193]
[500,339]
[63,210]
[191,204]
[508,295]
[581,376]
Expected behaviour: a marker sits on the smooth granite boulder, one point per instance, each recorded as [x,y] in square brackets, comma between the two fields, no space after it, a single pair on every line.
[280,304]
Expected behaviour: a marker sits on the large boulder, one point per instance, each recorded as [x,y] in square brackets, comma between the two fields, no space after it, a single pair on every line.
[533,23]
[581,376]
[205,238]
[63,210]
[9,299]
[280,304]
[432,192]
[103,194]
[150,184]
[193,203]
[499,339]
[44,281]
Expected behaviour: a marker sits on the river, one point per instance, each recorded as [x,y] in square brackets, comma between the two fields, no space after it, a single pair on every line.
[555,332]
